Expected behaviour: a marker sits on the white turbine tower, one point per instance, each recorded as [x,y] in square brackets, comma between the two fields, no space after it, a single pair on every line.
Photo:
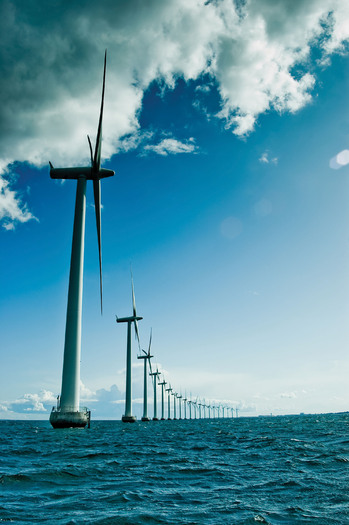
[185,406]
[174,405]
[155,375]
[146,357]
[162,384]
[68,413]
[128,417]
[180,397]
[169,390]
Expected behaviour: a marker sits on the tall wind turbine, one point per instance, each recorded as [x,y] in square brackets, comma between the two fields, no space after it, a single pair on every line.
[155,376]
[179,397]
[146,357]
[68,413]
[162,384]
[185,405]
[169,390]
[174,405]
[128,417]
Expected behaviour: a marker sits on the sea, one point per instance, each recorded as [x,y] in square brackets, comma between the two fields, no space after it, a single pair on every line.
[260,470]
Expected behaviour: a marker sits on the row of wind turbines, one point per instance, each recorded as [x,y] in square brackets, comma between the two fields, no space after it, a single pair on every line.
[187,407]
[68,413]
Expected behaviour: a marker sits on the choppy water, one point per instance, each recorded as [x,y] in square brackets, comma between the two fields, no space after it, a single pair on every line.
[287,470]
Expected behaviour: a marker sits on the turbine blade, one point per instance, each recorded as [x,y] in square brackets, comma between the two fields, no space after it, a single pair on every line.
[97,197]
[151,333]
[91,153]
[134,309]
[97,156]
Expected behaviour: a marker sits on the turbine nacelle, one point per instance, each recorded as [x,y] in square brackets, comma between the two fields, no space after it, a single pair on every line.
[75,173]
[131,319]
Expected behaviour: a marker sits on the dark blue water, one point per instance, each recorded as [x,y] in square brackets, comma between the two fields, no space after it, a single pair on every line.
[290,469]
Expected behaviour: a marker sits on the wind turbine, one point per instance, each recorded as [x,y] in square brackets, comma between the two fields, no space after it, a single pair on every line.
[162,384]
[190,402]
[185,405]
[68,413]
[179,397]
[155,375]
[174,404]
[169,390]
[128,417]
[146,357]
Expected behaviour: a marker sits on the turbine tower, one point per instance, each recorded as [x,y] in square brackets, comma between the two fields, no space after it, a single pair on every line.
[185,406]
[169,390]
[128,417]
[162,384]
[68,413]
[155,375]
[146,357]
[174,405]
[179,397]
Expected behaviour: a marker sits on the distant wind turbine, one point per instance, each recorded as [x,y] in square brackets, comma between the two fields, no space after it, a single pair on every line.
[162,384]
[68,413]
[146,358]
[128,417]
[180,397]
[155,376]
[169,390]
[185,405]
[174,405]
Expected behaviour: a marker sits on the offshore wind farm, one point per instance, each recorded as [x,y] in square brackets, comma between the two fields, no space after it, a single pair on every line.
[230,201]
[223,396]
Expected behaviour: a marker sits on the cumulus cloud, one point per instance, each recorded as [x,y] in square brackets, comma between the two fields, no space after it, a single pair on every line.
[30,403]
[11,208]
[256,53]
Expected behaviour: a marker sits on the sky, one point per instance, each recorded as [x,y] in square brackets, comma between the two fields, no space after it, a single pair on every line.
[227,125]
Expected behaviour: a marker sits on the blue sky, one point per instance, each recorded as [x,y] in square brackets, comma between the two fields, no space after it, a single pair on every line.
[227,126]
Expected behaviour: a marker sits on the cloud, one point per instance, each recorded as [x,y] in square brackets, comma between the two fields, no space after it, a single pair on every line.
[41,402]
[172,146]
[51,80]
[264,159]
[12,210]
[340,160]
[257,55]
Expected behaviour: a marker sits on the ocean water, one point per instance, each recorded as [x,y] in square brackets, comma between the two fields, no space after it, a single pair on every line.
[287,470]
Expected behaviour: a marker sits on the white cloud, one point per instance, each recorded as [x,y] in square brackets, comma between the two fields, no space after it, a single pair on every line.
[51,80]
[11,208]
[265,159]
[40,402]
[340,160]
[172,146]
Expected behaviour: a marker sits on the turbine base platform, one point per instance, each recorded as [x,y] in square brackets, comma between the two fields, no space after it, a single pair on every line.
[163,419]
[155,419]
[129,419]
[145,418]
[70,419]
